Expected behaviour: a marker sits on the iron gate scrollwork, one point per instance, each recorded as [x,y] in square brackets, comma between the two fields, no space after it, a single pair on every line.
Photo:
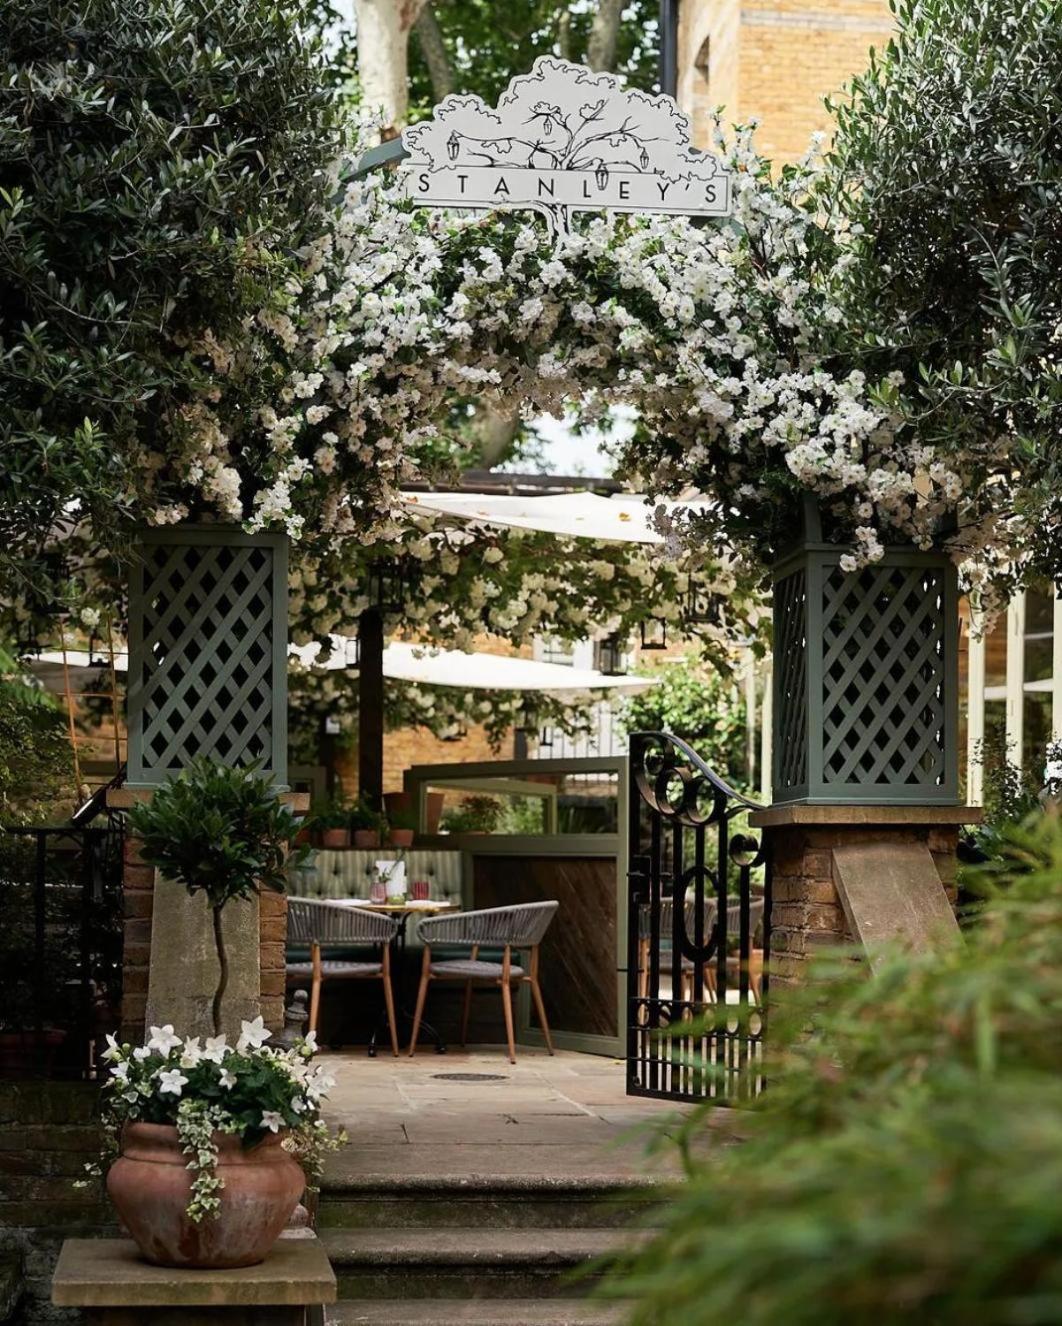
[698,929]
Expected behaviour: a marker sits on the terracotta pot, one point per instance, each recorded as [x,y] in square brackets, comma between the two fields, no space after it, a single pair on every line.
[150,1185]
[366,838]
[303,837]
[401,802]
[335,838]
[400,837]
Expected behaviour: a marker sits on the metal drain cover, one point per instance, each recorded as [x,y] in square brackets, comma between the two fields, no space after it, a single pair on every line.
[470,1077]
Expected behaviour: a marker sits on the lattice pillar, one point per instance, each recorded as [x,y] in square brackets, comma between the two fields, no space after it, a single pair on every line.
[865,679]
[207,651]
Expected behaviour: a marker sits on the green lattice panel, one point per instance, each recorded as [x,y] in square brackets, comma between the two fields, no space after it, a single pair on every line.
[207,652]
[866,679]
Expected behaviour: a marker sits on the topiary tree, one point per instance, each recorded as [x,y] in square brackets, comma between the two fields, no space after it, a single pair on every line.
[160,163]
[222,832]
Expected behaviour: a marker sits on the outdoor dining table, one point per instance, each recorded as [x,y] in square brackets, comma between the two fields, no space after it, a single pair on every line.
[402,911]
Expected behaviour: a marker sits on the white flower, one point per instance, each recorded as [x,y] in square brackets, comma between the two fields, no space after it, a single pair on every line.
[171,1080]
[309,1042]
[162,1040]
[141,1053]
[216,1049]
[89,617]
[272,1120]
[120,1072]
[253,1035]
[192,1053]
[227,1079]
[113,1050]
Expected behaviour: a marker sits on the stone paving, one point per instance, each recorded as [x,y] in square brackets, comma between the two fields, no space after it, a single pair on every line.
[567,1116]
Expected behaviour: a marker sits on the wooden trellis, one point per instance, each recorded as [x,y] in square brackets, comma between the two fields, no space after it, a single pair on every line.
[207,652]
[866,679]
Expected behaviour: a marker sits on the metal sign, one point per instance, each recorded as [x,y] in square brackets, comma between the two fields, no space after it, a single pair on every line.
[563,139]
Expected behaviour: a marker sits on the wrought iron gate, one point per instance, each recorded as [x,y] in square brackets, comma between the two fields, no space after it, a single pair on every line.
[698,929]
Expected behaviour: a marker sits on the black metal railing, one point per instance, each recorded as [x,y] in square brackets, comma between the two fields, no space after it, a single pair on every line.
[698,929]
[60,947]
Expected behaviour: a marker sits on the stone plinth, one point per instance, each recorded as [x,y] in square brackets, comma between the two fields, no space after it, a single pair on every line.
[870,875]
[113,1286]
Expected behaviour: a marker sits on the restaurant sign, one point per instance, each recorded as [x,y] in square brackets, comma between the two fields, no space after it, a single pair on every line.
[563,139]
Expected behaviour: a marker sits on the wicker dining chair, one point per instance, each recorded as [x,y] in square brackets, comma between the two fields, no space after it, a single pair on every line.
[321,925]
[518,928]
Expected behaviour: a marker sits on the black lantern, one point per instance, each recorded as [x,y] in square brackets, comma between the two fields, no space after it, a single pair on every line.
[643,160]
[654,633]
[701,604]
[601,175]
[609,656]
[453,146]
[387,586]
[545,738]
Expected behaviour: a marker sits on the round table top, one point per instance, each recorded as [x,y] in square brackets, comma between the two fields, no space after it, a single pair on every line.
[427,905]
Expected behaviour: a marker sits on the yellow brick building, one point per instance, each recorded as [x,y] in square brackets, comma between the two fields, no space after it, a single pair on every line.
[774,60]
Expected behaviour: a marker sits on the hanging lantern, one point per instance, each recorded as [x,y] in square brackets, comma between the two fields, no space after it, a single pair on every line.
[701,604]
[654,634]
[352,652]
[601,175]
[387,586]
[545,738]
[643,160]
[453,146]
[609,656]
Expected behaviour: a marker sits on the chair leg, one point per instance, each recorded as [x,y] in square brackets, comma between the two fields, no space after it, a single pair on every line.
[422,994]
[465,1014]
[536,994]
[315,985]
[389,999]
[540,1009]
[507,1004]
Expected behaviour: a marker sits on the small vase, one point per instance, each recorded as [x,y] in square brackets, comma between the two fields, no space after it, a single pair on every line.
[364,838]
[400,837]
[150,1185]
[333,838]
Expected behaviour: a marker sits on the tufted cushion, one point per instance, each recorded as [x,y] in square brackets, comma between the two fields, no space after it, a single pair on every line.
[467,969]
[304,970]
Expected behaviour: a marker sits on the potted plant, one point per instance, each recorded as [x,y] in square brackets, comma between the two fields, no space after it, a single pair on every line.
[401,826]
[331,822]
[475,814]
[222,832]
[209,1145]
[365,824]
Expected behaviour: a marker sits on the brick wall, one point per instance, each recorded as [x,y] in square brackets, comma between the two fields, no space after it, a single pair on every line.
[48,1131]
[413,745]
[775,60]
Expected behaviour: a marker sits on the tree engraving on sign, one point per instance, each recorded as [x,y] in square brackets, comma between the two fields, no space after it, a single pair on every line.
[563,139]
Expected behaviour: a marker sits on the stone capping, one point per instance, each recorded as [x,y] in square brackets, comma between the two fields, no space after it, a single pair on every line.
[125,798]
[110,1273]
[898,817]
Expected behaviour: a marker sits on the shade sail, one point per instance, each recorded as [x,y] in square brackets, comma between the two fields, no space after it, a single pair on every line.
[406,662]
[487,672]
[623,519]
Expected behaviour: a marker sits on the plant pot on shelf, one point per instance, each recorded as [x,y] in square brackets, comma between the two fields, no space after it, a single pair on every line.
[401,803]
[865,701]
[400,837]
[334,838]
[150,1185]
[365,838]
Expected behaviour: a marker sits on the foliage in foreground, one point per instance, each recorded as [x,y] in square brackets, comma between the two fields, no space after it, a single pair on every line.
[906,1163]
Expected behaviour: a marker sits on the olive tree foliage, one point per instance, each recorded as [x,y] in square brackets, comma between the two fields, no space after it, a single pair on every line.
[948,156]
[160,162]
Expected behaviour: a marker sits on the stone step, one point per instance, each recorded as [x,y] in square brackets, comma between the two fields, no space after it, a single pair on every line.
[479,1202]
[476,1312]
[466,1263]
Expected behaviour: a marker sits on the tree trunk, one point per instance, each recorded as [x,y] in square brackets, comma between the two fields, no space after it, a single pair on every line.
[436,56]
[383,59]
[223,970]
[604,32]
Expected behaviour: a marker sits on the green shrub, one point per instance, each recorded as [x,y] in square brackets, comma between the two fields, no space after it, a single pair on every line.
[159,162]
[905,1163]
